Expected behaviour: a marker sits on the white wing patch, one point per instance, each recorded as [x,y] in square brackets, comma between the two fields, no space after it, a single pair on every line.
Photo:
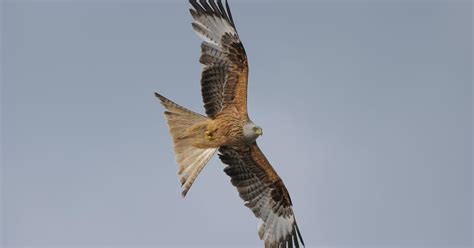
[211,28]
[272,228]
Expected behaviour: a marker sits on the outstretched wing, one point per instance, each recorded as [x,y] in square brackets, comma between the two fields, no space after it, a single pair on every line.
[264,193]
[225,71]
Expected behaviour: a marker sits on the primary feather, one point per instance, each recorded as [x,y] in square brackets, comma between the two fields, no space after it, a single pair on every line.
[225,71]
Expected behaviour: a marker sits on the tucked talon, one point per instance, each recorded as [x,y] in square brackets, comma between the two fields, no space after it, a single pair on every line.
[208,135]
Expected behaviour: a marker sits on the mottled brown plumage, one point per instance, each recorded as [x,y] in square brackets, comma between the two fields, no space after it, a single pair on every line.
[228,128]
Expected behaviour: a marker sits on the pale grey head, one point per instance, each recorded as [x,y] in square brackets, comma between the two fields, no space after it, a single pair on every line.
[252,131]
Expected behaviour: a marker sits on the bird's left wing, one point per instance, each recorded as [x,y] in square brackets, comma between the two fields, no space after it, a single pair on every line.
[264,193]
[225,68]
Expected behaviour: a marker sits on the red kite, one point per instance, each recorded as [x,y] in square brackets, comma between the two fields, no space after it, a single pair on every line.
[228,129]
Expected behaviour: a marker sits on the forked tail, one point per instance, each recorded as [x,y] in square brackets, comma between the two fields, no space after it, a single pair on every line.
[191,160]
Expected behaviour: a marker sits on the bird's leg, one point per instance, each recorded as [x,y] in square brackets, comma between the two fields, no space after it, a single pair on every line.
[208,135]
[210,131]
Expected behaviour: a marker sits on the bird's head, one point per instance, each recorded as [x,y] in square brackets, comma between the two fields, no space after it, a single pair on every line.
[252,131]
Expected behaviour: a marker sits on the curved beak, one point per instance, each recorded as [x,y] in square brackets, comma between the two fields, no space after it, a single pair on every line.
[259,131]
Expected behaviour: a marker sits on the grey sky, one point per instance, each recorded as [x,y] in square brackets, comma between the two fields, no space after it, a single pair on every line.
[366,108]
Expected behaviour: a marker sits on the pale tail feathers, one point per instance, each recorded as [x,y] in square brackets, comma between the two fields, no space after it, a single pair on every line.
[191,160]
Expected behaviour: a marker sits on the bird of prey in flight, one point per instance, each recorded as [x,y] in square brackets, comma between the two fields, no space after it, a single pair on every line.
[228,129]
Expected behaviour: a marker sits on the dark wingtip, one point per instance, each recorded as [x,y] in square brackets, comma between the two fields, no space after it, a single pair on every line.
[162,98]
[299,234]
[229,13]
[212,7]
[183,194]
[196,6]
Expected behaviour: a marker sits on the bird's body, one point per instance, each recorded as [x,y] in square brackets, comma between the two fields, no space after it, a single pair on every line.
[228,129]
[224,130]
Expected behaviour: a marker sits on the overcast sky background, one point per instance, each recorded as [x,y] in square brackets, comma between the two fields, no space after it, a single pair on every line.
[366,108]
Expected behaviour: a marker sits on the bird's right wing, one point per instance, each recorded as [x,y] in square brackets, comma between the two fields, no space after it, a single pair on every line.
[264,193]
[225,71]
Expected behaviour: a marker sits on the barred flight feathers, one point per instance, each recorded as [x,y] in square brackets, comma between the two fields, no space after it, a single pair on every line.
[225,71]
[264,193]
